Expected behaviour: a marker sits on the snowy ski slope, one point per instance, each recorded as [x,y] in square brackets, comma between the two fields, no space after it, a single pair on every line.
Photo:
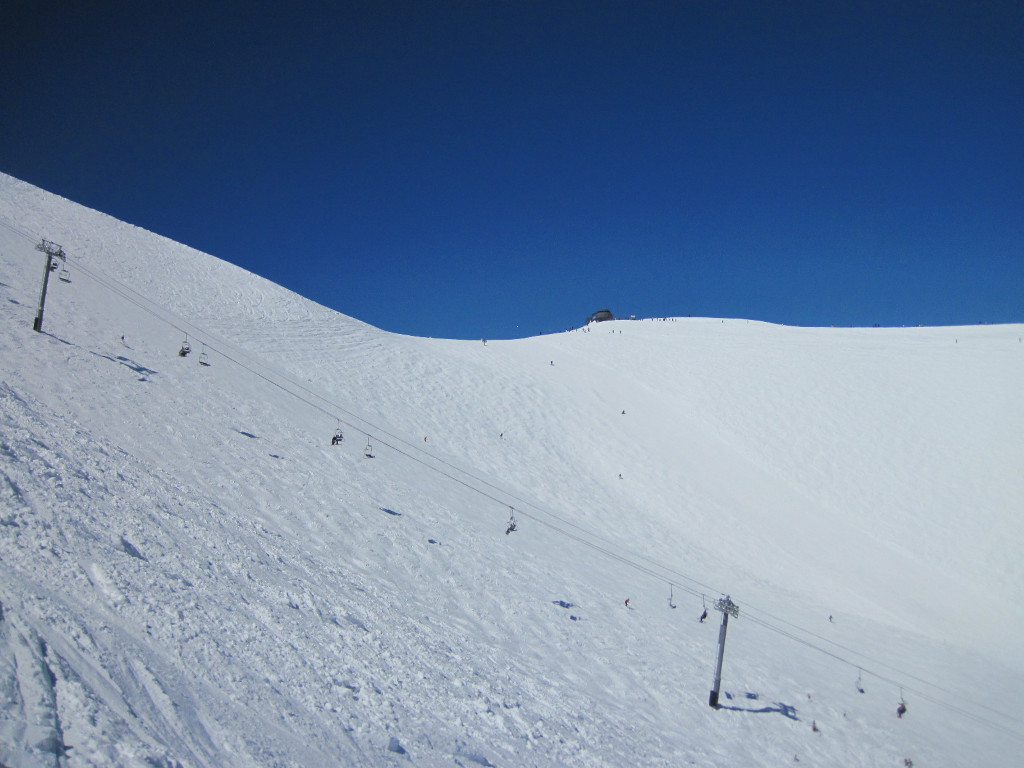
[192,575]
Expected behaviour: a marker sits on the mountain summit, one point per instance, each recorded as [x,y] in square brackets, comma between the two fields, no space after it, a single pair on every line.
[194,573]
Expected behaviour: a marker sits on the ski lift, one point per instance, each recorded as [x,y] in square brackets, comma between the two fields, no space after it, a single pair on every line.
[368,453]
[204,359]
[671,604]
[860,688]
[186,348]
[704,615]
[338,438]
[512,527]
[65,275]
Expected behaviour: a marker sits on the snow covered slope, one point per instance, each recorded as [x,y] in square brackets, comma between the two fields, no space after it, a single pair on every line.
[191,574]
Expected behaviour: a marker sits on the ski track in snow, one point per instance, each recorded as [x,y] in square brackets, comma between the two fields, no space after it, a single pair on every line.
[191,575]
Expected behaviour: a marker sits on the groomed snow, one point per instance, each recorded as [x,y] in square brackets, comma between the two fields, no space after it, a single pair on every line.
[192,575]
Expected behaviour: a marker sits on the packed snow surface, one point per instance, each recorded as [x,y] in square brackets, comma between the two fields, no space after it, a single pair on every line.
[191,574]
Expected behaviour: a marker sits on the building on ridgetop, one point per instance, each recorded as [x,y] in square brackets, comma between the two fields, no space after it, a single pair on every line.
[600,316]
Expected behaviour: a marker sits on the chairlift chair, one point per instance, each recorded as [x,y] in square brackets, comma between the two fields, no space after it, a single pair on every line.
[671,602]
[512,527]
[65,275]
[368,453]
[204,359]
[338,438]
[186,348]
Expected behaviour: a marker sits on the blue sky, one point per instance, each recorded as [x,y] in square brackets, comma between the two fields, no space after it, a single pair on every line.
[498,169]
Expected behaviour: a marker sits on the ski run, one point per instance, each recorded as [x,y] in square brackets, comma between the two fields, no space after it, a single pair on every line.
[193,575]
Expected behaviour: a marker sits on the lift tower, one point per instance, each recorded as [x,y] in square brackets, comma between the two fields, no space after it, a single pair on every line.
[728,608]
[53,252]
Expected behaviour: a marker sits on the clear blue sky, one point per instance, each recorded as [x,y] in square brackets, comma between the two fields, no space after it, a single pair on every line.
[498,169]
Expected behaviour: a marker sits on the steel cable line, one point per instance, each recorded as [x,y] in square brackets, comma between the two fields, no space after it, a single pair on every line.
[152,307]
[175,322]
[18,231]
[159,312]
[149,306]
[896,683]
[769,625]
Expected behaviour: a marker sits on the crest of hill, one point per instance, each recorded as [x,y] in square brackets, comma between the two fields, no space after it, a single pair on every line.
[903,441]
[869,473]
